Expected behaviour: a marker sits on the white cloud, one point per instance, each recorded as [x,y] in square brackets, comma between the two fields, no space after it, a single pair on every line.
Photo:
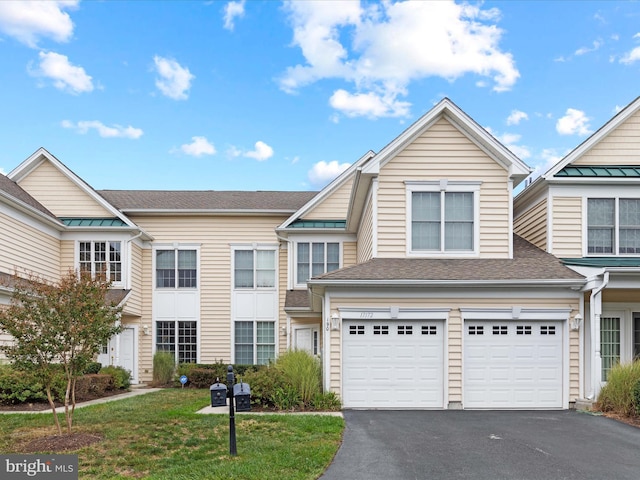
[116,131]
[2,171]
[631,57]
[584,50]
[574,122]
[368,104]
[548,158]
[261,152]
[516,117]
[174,80]
[198,147]
[233,10]
[28,21]
[510,140]
[323,172]
[388,47]
[66,77]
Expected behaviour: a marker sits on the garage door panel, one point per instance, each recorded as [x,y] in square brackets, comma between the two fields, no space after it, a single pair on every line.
[402,368]
[511,365]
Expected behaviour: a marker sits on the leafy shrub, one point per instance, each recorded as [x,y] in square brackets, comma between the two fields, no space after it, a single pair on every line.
[93,385]
[92,367]
[617,395]
[203,375]
[636,397]
[19,387]
[302,371]
[121,377]
[164,364]
[286,398]
[326,401]
[263,383]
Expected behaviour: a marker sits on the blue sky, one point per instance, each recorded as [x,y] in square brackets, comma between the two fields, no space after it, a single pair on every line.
[266,95]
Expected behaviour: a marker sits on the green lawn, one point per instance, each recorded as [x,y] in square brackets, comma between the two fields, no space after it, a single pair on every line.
[160,436]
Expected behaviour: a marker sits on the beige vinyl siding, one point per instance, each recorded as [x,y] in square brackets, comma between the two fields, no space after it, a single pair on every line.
[620,147]
[334,206]
[134,302]
[60,195]
[567,227]
[28,250]
[68,252]
[349,254]
[532,225]
[283,274]
[443,152]
[453,349]
[365,235]
[145,346]
[215,235]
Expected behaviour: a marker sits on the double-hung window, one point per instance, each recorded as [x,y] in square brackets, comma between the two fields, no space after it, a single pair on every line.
[613,226]
[254,279]
[103,260]
[176,268]
[316,258]
[442,217]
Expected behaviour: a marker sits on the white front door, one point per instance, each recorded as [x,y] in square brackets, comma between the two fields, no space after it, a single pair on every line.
[393,364]
[513,365]
[127,351]
[306,338]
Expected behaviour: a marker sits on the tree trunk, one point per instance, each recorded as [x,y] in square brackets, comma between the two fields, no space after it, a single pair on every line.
[67,413]
[53,408]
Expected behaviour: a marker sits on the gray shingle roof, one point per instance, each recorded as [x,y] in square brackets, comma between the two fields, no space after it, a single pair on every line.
[206,200]
[297,299]
[14,190]
[529,264]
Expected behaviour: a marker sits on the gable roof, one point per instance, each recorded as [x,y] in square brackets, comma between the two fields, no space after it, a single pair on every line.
[14,192]
[206,201]
[530,265]
[594,139]
[517,169]
[41,155]
[353,170]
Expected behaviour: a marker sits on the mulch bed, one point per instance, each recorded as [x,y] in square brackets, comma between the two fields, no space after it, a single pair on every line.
[58,443]
[40,406]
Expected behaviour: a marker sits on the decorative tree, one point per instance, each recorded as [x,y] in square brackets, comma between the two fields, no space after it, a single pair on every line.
[58,326]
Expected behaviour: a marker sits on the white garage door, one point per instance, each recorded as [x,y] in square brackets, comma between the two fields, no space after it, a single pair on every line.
[513,365]
[393,364]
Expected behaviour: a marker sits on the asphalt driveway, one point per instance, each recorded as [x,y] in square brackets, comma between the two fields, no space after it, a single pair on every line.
[481,445]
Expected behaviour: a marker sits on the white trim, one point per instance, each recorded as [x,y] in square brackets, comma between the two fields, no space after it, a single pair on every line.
[374,199]
[93,238]
[31,217]
[393,313]
[516,313]
[310,242]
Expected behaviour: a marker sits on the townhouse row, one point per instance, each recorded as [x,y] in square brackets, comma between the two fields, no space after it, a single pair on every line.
[415,276]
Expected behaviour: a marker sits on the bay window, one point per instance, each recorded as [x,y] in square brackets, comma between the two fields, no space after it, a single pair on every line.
[316,258]
[103,260]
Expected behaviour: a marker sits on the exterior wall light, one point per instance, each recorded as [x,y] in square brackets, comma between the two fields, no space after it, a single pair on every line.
[335,321]
[576,321]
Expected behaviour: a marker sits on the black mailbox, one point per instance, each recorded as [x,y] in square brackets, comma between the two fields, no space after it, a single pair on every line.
[242,393]
[218,395]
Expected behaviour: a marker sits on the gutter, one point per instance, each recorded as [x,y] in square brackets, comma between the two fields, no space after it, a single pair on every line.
[595,333]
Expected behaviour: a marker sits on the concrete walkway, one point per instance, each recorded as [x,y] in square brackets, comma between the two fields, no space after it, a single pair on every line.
[133,393]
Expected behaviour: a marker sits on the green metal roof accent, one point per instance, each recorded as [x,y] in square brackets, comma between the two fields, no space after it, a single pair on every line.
[601,262]
[319,224]
[93,222]
[607,171]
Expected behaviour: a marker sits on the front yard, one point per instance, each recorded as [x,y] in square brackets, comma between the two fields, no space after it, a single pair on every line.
[159,436]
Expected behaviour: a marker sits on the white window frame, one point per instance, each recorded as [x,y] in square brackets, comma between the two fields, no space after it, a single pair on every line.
[443,186]
[254,248]
[175,247]
[616,226]
[106,241]
[310,241]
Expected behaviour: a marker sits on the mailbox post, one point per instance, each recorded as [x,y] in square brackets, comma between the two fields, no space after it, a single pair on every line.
[233,450]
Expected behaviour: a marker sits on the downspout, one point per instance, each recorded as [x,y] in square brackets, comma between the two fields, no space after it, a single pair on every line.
[595,302]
